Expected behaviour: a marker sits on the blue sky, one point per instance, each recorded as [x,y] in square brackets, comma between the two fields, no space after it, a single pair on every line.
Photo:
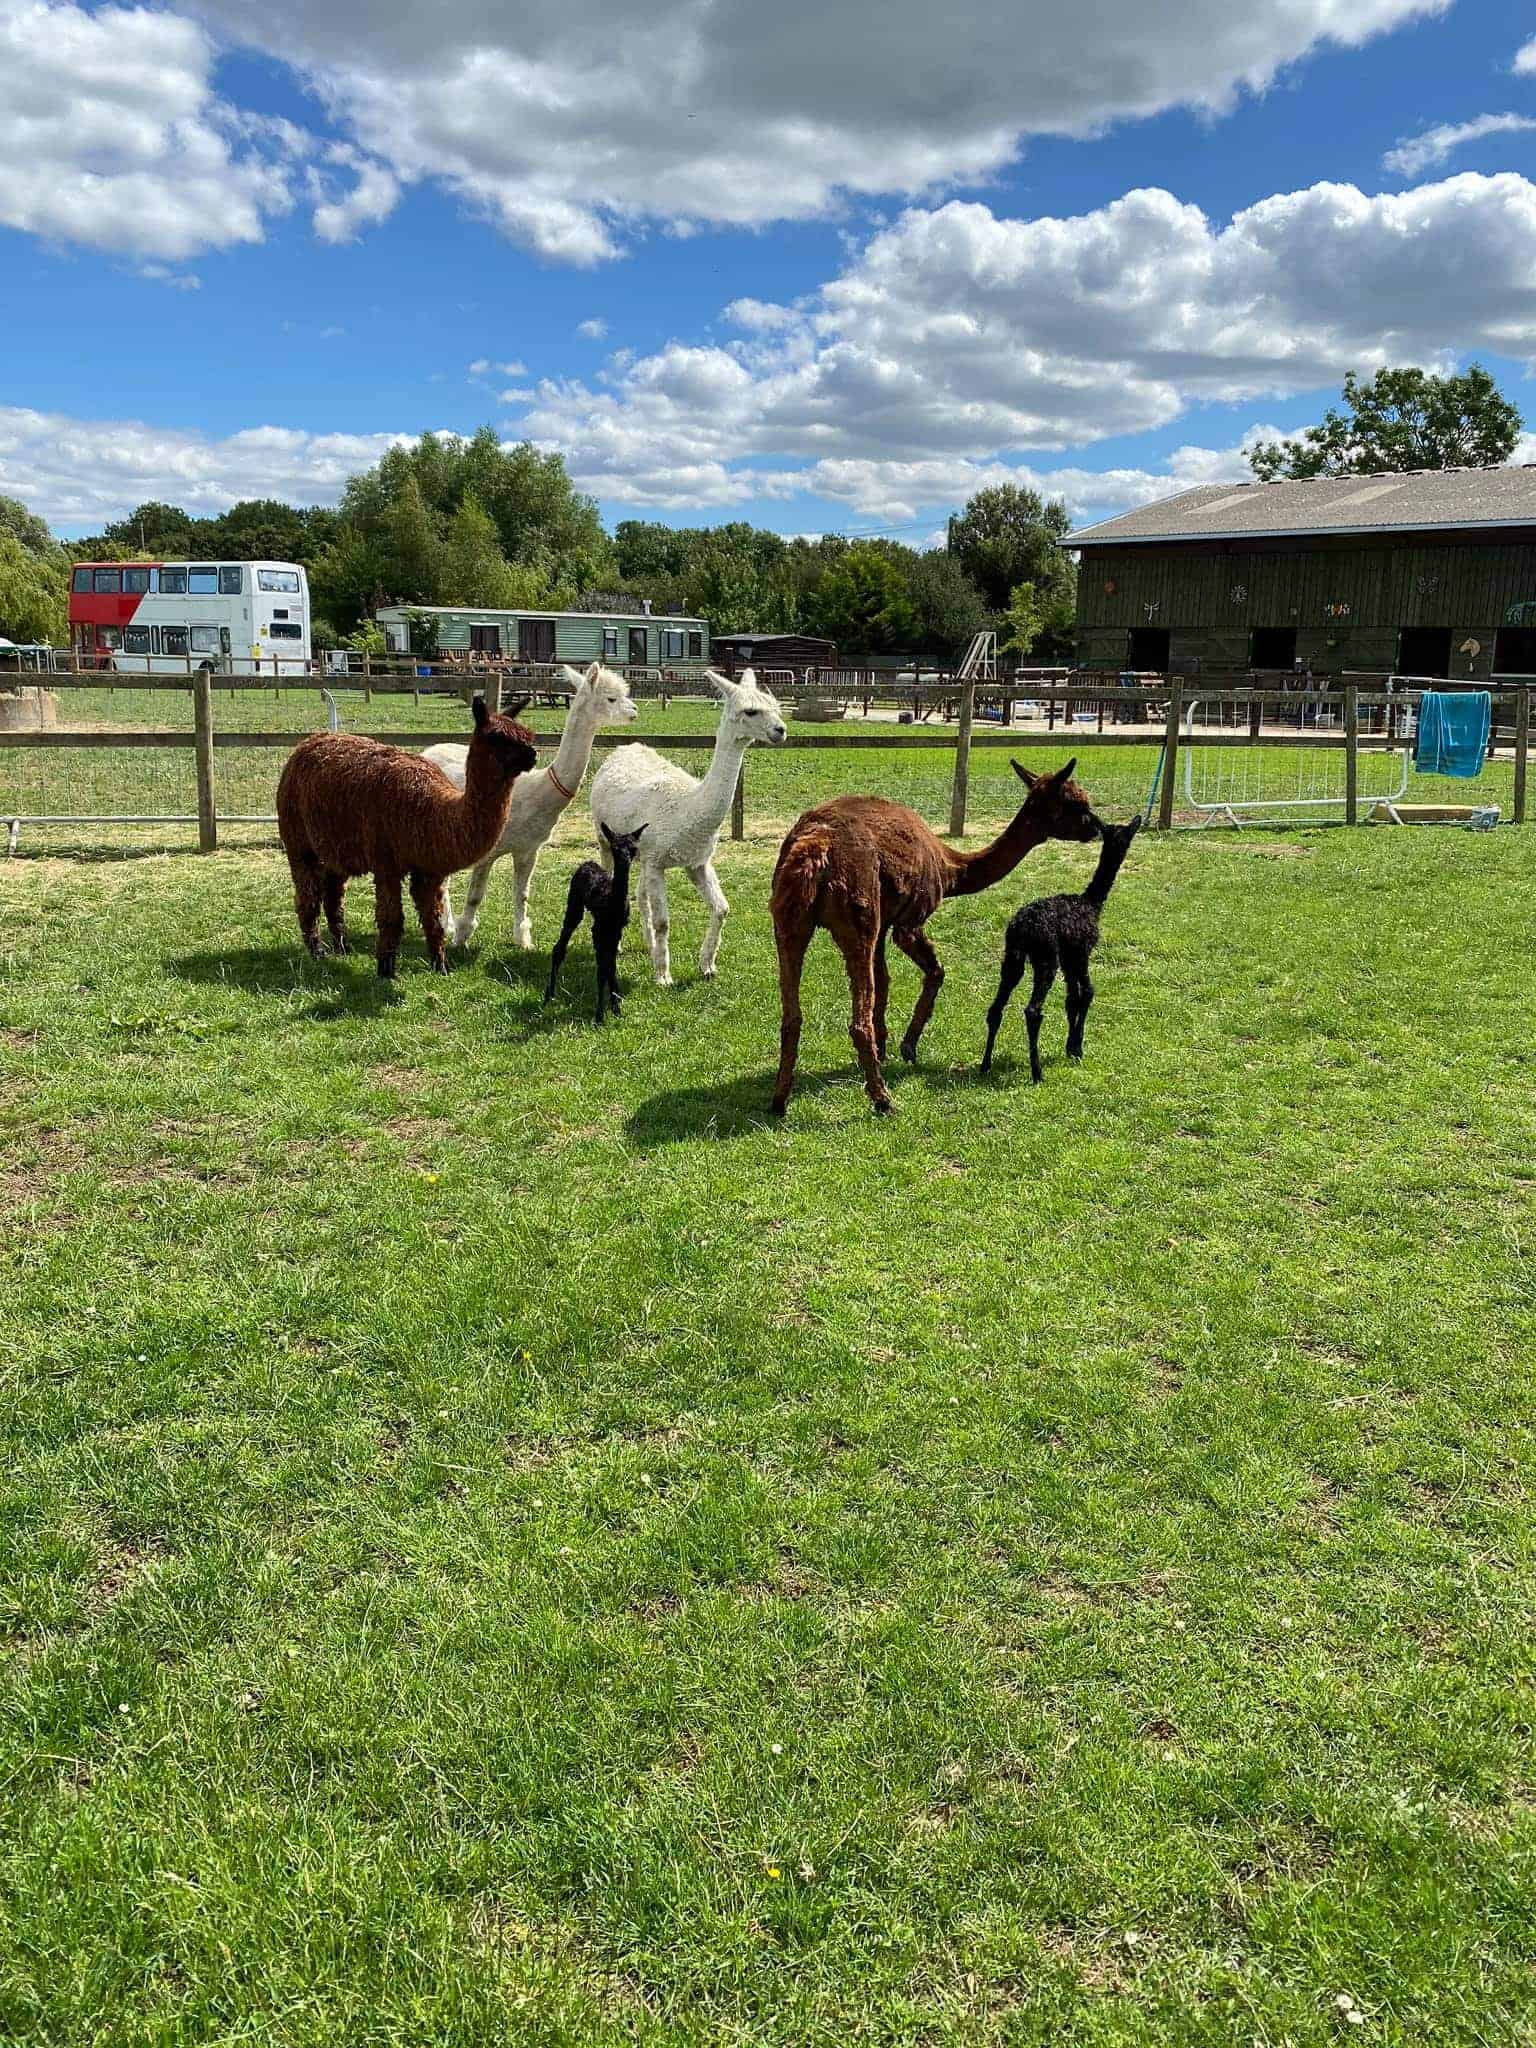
[230,275]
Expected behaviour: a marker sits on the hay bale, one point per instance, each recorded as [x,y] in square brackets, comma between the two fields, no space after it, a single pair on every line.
[818,710]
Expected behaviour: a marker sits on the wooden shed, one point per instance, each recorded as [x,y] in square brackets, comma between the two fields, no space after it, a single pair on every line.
[630,639]
[798,651]
[1432,573]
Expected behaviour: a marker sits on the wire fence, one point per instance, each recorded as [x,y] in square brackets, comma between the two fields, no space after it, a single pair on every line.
[114,764]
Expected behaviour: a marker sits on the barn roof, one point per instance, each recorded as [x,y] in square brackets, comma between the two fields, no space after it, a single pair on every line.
[1419,500]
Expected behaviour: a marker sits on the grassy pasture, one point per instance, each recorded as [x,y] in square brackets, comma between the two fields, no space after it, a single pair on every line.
[500,1542]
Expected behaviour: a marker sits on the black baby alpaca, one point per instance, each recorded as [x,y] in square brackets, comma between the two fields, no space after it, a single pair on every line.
[1052,932]
[607,898]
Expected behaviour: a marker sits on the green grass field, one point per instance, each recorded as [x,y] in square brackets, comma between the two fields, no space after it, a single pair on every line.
[501,1542]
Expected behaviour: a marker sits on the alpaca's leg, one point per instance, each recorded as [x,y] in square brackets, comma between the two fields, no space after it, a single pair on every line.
[568,930]
[389,915]
[792,944]
[882,994]
[523,865]
[661,956]
[429,896]
[1074,967]
[606,950]
[334,889]
[463,926]
[1045,974]
[305,870]
[918,948]
[707,882]
[1013,973]
[858,950]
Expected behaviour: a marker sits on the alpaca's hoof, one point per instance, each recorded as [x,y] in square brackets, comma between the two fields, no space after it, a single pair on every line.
[883,1106]
[707,973]
[664,981]
[522,938]
[439,963]
[909,1053]
[341,943]
[777,1108]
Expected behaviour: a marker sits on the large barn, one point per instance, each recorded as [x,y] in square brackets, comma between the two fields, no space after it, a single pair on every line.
[1432,573]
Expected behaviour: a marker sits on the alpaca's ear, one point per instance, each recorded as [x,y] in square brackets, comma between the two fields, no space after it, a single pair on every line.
[1064,775]
[516,708]
[571,675]
[479,710]
[592,673]
[1027,776]
[609,837]
[718,682]
[747,679]
[642,828]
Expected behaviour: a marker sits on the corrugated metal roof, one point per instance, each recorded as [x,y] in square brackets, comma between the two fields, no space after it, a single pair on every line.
[1419,500]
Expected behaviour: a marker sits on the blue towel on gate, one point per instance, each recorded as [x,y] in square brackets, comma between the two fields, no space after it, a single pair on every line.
[1453,732]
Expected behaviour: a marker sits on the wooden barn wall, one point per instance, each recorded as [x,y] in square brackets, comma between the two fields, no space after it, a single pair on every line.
[1212,596]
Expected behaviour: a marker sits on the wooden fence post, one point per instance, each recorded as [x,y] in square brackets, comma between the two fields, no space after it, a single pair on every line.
[202,724]
[739,803]
[1351,755]
[962,782]
[1522,742]
[1170,754]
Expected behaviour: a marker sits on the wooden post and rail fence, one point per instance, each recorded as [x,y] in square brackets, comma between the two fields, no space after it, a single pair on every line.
[1161,720]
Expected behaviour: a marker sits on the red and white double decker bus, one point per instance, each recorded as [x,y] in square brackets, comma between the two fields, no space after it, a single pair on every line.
[164,618]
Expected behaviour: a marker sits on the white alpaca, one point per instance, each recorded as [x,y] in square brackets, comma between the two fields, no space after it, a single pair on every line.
[637,786]
[601,698]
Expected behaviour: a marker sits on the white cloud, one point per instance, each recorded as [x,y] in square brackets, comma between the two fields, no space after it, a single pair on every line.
[592,330]
[177,280]
[1525,59]
[86,471]
[958,337]
[761,316]
[570,126]
[1417,153]
[113,136]
[373,197]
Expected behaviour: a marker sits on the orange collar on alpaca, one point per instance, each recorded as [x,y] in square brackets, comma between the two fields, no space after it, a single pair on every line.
[568,794]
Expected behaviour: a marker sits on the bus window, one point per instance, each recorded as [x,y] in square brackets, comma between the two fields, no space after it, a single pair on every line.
[173,639]
[278,579]
[82,580]
[230,583]
[279,630]
[173,582]
[203,582]
[205,639]
[108,637]
[136,580]
[136,640]
[106,580]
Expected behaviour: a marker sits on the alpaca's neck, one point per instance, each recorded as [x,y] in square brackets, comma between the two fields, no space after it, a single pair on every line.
[575,748]
[719,785]
[969,872]
[1111,861]
[482,809]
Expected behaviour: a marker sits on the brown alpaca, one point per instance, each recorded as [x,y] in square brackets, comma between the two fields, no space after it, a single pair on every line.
[863,867]
[348,806]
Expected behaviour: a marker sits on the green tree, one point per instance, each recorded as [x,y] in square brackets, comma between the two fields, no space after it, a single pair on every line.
[947,605]
[27,527]
[1400,420]
[1008,534]
[861,603]
[414,550]
[34,590]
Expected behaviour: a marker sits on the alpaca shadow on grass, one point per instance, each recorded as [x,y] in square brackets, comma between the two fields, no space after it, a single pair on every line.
[343,985]
[735,1108]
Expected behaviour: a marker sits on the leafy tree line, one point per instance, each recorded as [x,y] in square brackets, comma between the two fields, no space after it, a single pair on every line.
[455,521]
